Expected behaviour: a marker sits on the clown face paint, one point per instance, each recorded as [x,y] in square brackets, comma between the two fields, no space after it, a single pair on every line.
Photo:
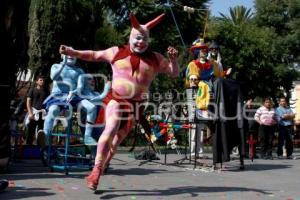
[203,54]
[214,52]
[90,83]
[193,80]
[138,41]
[69,60]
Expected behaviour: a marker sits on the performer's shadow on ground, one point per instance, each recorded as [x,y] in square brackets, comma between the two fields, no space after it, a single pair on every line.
[253,167]
[23,193]
[53,175]
[194,191]
[264,167]
[137,171]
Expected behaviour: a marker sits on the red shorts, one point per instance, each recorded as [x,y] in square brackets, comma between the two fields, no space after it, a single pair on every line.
[126,104]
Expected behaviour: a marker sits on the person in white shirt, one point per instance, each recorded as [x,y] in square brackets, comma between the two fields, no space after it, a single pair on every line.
[265,116]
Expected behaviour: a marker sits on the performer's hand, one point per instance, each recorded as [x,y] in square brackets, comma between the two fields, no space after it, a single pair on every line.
[69,97]
[108,84]
[30,116]
[172,53]
[63,49]
[284,116]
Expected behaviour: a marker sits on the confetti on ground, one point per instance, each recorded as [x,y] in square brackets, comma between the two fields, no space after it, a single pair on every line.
[205,169]
[59,188]
[103,187]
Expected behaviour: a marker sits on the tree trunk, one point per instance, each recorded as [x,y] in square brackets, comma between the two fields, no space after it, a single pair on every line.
[5,82]
[13,17]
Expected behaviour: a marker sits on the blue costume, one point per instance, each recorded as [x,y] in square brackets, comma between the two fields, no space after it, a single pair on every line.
[64,76]
[89,103]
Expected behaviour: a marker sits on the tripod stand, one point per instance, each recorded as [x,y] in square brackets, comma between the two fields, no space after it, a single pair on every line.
[196,128]
[180,161]
[189,116]
[170,124]
[149,153]
[186,138]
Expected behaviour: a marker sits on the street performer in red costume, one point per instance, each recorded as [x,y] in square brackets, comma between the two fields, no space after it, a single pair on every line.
[134,67]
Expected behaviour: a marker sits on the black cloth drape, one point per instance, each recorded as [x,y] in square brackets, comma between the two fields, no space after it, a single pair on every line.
[229,120]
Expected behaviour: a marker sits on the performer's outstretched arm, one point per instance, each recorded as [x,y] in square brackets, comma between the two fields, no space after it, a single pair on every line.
[169,66]
[89,55]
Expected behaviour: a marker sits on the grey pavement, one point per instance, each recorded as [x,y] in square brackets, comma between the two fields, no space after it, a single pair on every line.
[133,179]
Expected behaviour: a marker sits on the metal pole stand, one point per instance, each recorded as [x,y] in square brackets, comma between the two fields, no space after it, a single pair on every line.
[65,158]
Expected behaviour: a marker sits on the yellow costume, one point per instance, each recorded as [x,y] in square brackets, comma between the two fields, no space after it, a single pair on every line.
[203,96]
[204,74]
[204,70]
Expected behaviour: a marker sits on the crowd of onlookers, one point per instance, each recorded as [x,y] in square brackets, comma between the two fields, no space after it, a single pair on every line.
[271,120]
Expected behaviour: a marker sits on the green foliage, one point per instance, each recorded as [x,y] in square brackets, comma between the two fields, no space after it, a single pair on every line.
[238,15]
[191,25]
[260,51]
[147,10]
[272,14]
[283,18]
[246,48]
[56,22]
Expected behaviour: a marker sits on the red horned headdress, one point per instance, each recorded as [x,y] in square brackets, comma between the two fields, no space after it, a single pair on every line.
[136,48]
[146,27]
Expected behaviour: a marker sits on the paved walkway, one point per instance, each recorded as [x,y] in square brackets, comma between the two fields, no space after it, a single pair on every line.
[134,179]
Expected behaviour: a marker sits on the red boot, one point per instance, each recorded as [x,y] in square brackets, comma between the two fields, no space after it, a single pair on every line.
[93,179]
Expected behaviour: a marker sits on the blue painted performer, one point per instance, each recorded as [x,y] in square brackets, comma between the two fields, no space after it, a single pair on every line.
[64,76]
[90,101]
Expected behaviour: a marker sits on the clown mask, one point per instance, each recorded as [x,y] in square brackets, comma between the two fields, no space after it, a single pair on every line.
[194,81]
[203,54]
[138,41]
[139,36]
[214,52]
[68,60]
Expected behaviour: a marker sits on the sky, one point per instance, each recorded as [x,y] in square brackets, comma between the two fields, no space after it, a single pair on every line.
[224,5]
